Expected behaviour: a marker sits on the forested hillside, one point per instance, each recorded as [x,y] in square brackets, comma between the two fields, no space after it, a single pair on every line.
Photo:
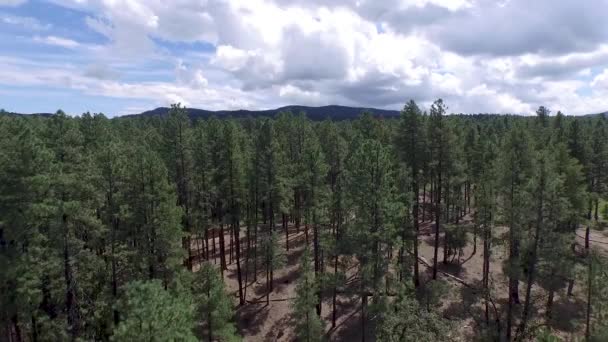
[421,227]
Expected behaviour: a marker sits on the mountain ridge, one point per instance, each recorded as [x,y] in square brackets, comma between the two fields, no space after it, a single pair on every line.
[319,113]
[334,112]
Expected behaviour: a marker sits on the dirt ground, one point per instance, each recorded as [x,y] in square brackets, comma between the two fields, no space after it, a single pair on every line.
[462,305]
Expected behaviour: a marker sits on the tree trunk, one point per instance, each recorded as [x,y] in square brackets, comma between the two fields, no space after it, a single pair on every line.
[34,329]
[589,292]
[513,262]
[237,239]
[424,201]
[70,300]
[17,328]
[286,228]
[437,221]
[570,287]
[255,242]
[416,279]
[532,258]
[206,244]
[209,318]
[550,297]
[223,265]
[231,246]
[474,239]
[363,313]
[247,260]
[336,257]
[486,272]
[317,263]
[213,234]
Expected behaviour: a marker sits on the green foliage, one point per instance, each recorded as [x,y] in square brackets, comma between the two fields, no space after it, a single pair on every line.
[546,336]
[598,276]
[405,320]
[95,209]
[309,326]
[432,292]
[214,304]
[151,313]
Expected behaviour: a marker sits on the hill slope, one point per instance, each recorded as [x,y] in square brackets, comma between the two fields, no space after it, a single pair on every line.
[314,113]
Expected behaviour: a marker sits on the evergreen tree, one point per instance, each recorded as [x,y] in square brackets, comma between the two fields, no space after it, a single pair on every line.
[215,305]
[178,157]
[438,135]
[309,326]
[152,313]
[516,165]
[371,191]
[335,150]
[404,320]
[314,174]
[410,142]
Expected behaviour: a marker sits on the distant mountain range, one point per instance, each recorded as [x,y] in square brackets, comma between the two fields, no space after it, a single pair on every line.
[333,112]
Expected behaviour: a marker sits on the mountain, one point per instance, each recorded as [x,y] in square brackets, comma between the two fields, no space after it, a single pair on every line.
[333,112]
[3,112]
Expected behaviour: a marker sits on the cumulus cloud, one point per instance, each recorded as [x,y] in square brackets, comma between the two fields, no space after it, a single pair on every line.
[479,55]
[190,77]
[601,81]
[563,66]
[516,27]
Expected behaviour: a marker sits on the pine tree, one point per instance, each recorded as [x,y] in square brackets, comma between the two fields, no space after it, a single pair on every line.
[152,219]
[232,187]
[516,165]
[23,251]
[178,156]
[485,199]
[314,174]
[309,326]
[438,144]
[215,305]
[405,320]
[202,189]
[73,226]
[334,148]
[152,313]
[371,191]
[272,183]
[410,141]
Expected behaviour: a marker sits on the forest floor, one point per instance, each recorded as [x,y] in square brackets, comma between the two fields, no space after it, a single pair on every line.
[463,303]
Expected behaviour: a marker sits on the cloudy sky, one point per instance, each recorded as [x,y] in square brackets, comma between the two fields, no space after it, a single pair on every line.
[125,56]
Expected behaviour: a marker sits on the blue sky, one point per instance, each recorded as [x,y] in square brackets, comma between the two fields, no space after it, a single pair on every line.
[126,56]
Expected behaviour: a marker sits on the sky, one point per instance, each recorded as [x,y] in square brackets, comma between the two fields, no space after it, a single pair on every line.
[480,56]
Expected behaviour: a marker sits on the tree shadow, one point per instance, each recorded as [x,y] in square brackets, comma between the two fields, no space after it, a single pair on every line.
[293,257]
[277,330]
[452,268]
[284,280]
[250,318]
[567,313]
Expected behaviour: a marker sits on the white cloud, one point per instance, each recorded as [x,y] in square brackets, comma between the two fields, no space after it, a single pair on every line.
[12,3]
[25,22]
[601,81]
[357,52]
[190,77]
[295,95]
[57,41]
[101,72]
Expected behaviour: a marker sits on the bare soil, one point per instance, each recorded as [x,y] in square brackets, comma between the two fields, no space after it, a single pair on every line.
[462,305]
